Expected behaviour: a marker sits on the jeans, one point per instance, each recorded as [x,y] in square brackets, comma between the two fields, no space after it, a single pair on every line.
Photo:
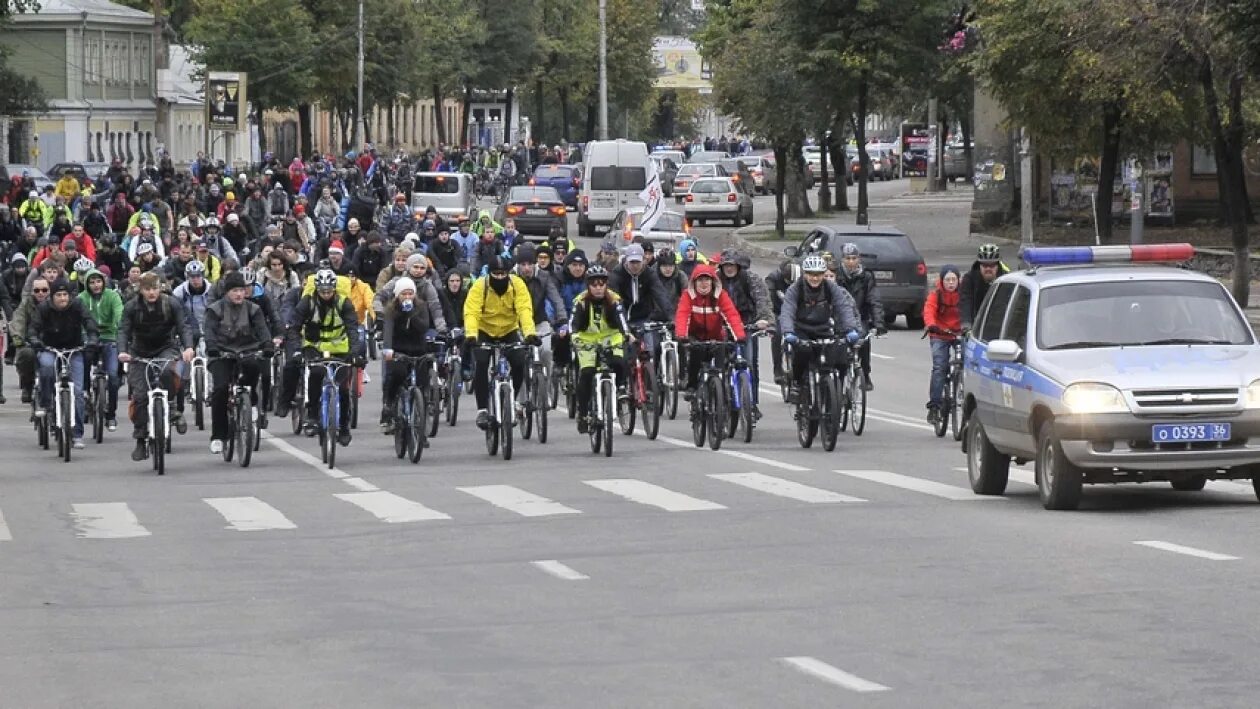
[107,357]
[940,366]
[750,350]
[48,379]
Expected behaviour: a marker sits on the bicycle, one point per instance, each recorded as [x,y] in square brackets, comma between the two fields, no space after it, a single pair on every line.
[410,410]
[502,409]
[743,409]
[452,369]
[159,433]
[818,404]
[64,413]
[244,422]
[645,391]
[329,423]
[708,401]
[568,384]
[277,378]
[667,379]
[601,411]
[537,401]
[949,415]
[97,401]
[854,395]
[199,389]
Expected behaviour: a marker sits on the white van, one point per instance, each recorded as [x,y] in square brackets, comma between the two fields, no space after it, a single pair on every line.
[451,193]
[614,172]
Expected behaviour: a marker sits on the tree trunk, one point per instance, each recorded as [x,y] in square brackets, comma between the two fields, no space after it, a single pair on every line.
[565,133]
[591,110]
[1235,137]
[780,186]
[343,117]
[439,115]
[259,111]
[507,116]
[1225,156]
[464,115]
[797,194]
[942,120]
[392,137]
[367,128]
[864,160]
[306,142]
[539,105]
[1107,169]
[824,191]
[840,164]
[967,153]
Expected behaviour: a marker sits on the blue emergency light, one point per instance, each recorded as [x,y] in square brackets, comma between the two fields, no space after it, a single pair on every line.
[1079,255]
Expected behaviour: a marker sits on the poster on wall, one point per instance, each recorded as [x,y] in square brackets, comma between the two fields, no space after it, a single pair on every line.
[1158,185]
[1073,185]
[225,100]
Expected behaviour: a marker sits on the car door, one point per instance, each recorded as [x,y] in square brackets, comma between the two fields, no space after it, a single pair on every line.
[1015,380]
[981,377]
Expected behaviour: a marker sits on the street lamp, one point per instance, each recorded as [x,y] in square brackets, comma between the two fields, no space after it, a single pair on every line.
[603,69]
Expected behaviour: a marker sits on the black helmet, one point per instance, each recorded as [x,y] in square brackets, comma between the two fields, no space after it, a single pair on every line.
[499,263]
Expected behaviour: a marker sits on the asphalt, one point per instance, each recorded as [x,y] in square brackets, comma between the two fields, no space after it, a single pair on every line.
[759,575]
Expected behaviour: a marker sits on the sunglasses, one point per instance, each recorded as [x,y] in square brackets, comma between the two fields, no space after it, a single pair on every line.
[39,290]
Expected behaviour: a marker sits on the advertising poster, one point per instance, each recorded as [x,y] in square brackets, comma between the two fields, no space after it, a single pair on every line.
[225,100]
[679,65]
[1159,191]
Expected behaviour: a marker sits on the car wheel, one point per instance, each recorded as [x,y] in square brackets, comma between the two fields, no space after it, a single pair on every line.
[704,222]
[738,221]
[1059,482]
[889,319]
[987,469]
[749,218]
[1194,483]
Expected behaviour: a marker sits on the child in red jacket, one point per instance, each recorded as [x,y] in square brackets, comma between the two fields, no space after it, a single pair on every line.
[943,321]
[705,314]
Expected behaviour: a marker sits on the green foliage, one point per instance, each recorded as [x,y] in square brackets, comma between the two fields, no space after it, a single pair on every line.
[21,94]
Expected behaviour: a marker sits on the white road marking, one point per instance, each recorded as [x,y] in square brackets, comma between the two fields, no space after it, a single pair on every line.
[734,454]
[833,675]
[5,534]
[391,508]
[560,571]
[1188,551]
[514,499]
[648,494]
[249,514]
[107,520]
[305,457]
[927,487]
[877,355]
[1017,474]
[784,488]
[873,414]
[360,484]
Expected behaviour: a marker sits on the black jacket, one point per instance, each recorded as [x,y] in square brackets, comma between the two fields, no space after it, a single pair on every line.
[226,331]
[148,330]
[862,287]
[405,331]
[971,292]
[644,298]
[63,329]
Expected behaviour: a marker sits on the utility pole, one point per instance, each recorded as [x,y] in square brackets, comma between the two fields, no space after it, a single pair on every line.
[161,60]
[934,139]
[1026,196]
[603,69]
[360,123]
[1137,222]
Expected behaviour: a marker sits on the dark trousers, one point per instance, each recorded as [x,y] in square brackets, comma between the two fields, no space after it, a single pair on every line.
[396,378]
[481,377]
[138,388]
[698,356]
[586,381]
[313,385]
[223,372]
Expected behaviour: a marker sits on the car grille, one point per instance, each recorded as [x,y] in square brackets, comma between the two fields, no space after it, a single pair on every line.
[1177,399]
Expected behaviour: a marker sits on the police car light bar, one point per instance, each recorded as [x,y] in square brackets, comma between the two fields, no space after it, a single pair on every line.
[1077,255]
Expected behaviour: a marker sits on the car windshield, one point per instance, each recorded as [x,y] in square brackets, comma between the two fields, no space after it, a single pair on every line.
[710,187]
[1137,313]
[696,170]
[669,221]
[529,194]
[436,184]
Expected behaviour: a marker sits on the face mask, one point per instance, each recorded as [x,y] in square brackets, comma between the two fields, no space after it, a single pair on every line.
[408,305]
[500,285]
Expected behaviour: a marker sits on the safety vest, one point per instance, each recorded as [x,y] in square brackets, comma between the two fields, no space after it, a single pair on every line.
[333,338]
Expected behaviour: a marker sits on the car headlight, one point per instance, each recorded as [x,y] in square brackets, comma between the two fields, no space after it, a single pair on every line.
[1253,395]
[1094,398]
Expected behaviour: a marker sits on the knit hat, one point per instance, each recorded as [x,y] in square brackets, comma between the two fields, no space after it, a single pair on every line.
[18,258]
[949,268]
[69,243]
[60,285]
[230,196]
[235,279]
[233,218]
[403,284]
[336,247]
[415,259]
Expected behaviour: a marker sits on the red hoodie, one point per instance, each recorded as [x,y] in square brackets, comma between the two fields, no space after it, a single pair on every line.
[941,309]
[706,317]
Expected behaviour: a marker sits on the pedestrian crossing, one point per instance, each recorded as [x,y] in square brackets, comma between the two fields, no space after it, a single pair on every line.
[710,492]
[931,200]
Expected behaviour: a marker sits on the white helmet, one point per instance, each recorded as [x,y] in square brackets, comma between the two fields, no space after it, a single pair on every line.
[814,264]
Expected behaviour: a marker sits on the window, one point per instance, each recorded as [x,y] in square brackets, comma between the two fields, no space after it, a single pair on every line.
[613,177]
[437,184]
[1017,323]
[995,311]
[1202,161]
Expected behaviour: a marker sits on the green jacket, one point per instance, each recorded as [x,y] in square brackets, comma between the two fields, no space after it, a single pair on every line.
[479,226]
[106,308]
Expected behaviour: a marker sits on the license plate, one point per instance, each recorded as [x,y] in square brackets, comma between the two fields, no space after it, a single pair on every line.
[605,202]
[709,199]
[536,212]
[1189,432]
[883,275]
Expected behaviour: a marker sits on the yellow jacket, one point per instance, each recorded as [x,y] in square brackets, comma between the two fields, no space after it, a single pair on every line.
[343,287]
[488,313]
[67,187]
[361,297]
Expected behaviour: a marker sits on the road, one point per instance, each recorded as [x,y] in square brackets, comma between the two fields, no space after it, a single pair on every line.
[667,576]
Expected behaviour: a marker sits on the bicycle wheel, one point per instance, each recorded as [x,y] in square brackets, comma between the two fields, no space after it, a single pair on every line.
[669,385]
[492,430]
[41,431]
[507,420]
[234,426]
[857,405]
[527,394]
[402,432]
[100,399]
[160,434]
[806,423]
[198,397]
[245,432]
[746,407]
[356,390]
[66,400]
[542,404]
[650,405]
[846,381]
[717,412]
[570,391]
[554,389]
[433,403]
[955,409]
[941,424]
[626,413]
[299,409]
[418,424]
[699,420]
[332,425]
[595,429]
[608,415]
[454,385]
[832,407]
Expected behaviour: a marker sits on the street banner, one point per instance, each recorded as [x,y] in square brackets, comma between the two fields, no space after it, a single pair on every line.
[653,200]
[679,65]
[225,100]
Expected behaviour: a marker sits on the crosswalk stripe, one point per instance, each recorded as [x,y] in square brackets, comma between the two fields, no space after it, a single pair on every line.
[833,675]
[5,534]
[1019,475]
[783,488]
[514,499]
[106,520]
[249,514]
[560,571]
[391,508]
[927,487]
[654,495]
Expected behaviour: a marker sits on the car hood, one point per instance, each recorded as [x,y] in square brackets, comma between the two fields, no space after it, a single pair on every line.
[1159,367]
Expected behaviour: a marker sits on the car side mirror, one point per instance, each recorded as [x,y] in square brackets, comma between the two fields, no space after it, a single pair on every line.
[791,251]
[1004,351]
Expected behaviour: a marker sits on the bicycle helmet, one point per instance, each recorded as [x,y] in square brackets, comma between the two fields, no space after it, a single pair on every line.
[325,279]
[814,264]
[988,254]
[83,265]
[850,249]
[595,272]
[194,268]
[498,263]
[211,222]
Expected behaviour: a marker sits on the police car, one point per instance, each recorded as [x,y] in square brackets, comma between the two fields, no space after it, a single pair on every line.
[1103,366]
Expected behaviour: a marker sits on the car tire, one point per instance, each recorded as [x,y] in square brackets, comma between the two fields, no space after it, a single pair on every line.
[1194,483]
[914,321]
[890,319]
[1059,482]
[749,218]
[738,221]
[987,469]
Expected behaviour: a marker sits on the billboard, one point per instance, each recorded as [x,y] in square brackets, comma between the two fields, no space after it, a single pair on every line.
[679,65]
[225,100]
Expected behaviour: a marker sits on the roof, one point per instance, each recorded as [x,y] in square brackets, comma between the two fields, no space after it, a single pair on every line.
[861,230]
[1060,275]
[76,8]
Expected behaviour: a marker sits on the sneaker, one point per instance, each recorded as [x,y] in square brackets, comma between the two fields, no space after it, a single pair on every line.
[483,419]
[344,438]
[387,427]
[780,379]
[367,378]
[582,424]
[688,395]
[310,430]
[27,396]
[141,450]
[282,410]
[112,425]
[41,413]
[793,395]
[216,446]
[3,400]
[78,444]
[177,420]
[867,385]
[932,415]
[756,413]
[262,421]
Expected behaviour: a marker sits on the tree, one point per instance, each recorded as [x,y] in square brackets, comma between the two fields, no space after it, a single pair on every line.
[567,39]
[272,40]
[21,94]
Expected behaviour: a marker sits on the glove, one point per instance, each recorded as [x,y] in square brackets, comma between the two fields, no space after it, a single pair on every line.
[471,340]
[359,361]
[213,354]
[934,329]
[852,337]
[533,341]
[269,352]
[790,338]
[881,330]
[563,331]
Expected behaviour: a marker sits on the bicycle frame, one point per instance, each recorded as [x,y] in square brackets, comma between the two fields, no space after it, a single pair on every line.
[64,383]
[328,390]
[156,394]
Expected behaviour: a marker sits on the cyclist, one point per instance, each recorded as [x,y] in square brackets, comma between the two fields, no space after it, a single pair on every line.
[24,357]
[706,313]
[256,294]
[62,323]
[641,291]
[672,277]
[548,306]
[598,318]
[816,308]
[193,295]
[153,327]
[233,324]
[498,310]
[406,327]
[861,285]
[106,307]
[748,292]
[328,324]
[942,315]
[777,284]
[975,285]
[690,256]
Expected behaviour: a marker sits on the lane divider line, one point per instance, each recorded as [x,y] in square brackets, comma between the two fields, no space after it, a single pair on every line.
[560,571]
[833,675]
[1188,551]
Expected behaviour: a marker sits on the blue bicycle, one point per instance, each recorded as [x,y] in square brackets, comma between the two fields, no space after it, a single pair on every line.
[329,423]
[741,397]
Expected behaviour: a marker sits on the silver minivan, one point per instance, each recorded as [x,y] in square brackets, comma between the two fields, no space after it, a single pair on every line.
[451,193]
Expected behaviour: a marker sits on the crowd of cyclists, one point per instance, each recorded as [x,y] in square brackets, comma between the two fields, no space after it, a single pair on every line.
[178,268]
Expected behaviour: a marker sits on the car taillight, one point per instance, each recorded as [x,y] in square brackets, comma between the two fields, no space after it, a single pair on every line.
[731,197]
[921,269]
[559,211]
[514,210]
[532,182]
[586,202]
[691,198]
[687,227]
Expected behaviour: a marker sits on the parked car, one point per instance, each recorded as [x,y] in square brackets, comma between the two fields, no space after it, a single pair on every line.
[738,171]
[718,198]
[888,253]
[670,228]
[813,160]
[667,168]
[691,172]
[678,156]
[535,209]
[566,179]
[16,171]
[881,163]
[955,164]
[762,171]
[85,172]
[451,193]
[707,156]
